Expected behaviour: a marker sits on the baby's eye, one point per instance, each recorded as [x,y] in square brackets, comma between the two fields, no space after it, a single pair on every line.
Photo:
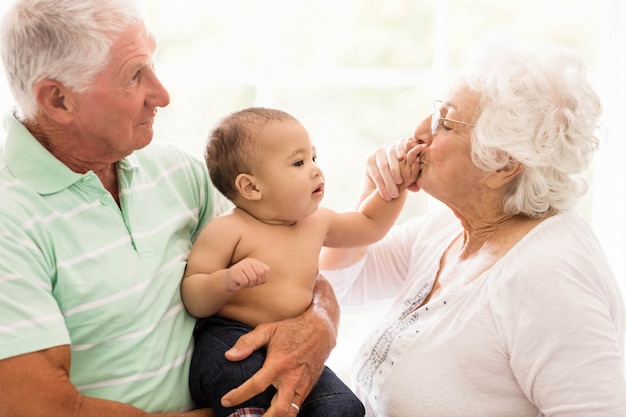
[315,159]
[298,163]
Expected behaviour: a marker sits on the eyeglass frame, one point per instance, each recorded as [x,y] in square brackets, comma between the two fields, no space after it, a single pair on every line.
[435,122]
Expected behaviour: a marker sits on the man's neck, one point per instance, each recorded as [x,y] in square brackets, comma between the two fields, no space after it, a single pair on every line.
[60,145]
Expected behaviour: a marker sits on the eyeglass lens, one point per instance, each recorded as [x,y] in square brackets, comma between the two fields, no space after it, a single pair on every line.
[436,116]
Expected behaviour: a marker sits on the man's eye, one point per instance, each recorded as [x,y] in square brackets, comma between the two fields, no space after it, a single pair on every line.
[446,128]
[136,75]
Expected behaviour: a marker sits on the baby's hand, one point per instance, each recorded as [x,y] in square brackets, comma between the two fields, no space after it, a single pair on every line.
[410,165]
[395,167]
[246,273]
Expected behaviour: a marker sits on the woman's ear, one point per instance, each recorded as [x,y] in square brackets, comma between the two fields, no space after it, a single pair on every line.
[505,175]
[246,185]
[54,100]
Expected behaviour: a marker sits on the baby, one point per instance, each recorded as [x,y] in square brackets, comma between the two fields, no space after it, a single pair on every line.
[258,263]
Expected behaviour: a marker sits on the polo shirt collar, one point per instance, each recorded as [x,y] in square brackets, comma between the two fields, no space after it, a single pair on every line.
[128,163]
[32,164]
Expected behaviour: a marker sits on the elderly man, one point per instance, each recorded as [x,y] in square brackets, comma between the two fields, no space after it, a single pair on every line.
[96,227]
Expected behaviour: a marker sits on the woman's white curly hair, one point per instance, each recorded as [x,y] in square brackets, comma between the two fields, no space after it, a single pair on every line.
[537,107]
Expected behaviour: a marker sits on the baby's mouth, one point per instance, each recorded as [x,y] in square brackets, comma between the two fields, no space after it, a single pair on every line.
[319,190]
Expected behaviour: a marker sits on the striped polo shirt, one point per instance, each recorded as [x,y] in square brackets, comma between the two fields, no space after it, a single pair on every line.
[77,269]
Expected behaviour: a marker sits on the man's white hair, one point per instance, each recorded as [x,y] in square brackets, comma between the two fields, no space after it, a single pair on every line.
[64,40]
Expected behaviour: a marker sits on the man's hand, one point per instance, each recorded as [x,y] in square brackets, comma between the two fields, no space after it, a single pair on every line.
[296,352]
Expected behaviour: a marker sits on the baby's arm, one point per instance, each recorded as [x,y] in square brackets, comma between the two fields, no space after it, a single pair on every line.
[369,224]
[374,217]
[209,282]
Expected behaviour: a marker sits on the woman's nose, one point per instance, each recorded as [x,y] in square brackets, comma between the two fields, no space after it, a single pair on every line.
[423,132]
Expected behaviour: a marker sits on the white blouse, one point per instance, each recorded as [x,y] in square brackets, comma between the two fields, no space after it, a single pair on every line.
[541,333]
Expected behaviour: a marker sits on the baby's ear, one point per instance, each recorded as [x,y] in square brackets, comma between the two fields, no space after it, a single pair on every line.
[246,185]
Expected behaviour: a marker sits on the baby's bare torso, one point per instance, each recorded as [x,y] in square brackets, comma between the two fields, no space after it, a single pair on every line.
[292,253]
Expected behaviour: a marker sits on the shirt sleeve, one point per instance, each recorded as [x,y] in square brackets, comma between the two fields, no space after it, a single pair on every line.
[382,273]
[212,203]
[30,318]
[562,318]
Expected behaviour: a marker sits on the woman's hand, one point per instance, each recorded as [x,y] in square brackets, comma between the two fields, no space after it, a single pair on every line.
[394,167]
[296,352]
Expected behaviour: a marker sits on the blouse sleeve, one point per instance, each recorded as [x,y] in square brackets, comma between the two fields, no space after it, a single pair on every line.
[561,318]
[382,273]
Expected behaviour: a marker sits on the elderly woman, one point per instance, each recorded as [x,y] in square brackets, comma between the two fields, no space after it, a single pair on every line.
[506,304]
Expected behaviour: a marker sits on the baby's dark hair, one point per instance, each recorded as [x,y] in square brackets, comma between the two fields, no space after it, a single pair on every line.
[231,149]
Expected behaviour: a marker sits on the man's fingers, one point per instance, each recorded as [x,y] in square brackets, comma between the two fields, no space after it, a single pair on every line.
[285,403]
[249,342]
[253,386]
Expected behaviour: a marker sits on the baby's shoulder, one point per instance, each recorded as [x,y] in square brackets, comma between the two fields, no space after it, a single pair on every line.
[325,214]
[321,219]
[233,217]
[229,222]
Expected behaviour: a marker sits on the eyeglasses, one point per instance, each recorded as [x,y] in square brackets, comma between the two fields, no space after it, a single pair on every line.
[436,119]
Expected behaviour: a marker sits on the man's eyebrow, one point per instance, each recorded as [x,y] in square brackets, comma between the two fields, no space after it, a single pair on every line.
[148,63]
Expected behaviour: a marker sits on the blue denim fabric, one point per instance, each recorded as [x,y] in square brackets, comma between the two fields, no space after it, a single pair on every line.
[212,375]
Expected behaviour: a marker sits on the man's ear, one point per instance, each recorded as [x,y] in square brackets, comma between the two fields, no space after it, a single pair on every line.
[54,100]
[246,185]
[505,175]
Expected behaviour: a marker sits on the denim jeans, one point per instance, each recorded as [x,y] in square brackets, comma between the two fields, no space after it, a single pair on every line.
[212,375]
